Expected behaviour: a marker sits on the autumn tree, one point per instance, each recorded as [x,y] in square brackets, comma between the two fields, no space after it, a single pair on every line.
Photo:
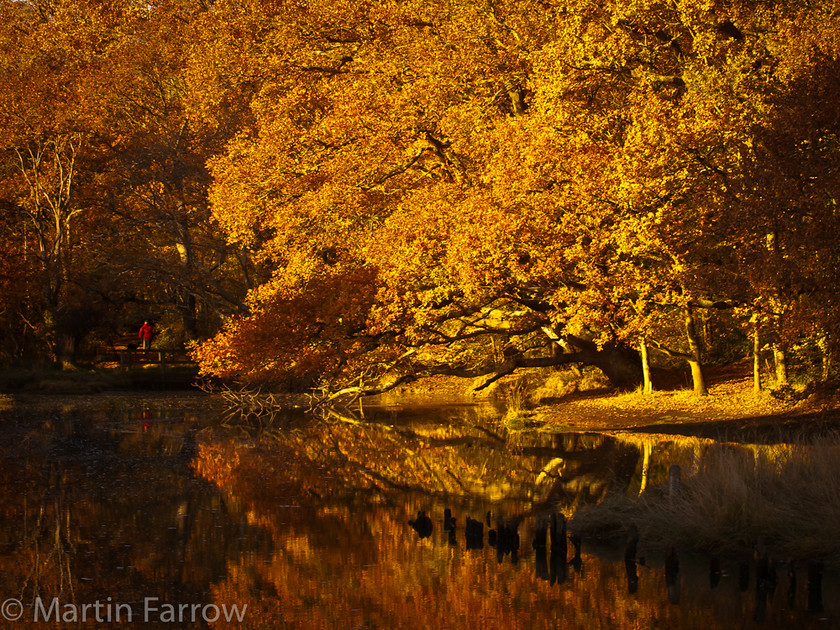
[407,189]
[371,149]
[789,254]
[105,176]
[549,177]
[156,179]
[44,149]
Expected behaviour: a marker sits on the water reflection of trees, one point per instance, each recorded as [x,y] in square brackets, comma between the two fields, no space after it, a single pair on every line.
[90,513]
[469,457]
[731,493]
[309,525]
[352,551]
[354,564]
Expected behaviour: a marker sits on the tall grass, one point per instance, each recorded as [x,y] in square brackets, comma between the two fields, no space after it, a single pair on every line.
[516,403]
[789,495]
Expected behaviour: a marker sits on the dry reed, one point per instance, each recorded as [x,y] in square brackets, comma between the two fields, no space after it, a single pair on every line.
[787,494]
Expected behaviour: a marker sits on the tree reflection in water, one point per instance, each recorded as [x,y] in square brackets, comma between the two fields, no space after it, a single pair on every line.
[334,524]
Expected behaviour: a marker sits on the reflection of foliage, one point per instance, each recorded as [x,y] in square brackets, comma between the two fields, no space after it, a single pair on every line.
[340,562]
[347,565]
[307,538]
[469,461]
[89,513]
[339,454]
[47,540]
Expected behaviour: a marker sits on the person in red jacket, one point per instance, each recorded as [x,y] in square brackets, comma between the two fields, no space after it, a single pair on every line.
[145,334]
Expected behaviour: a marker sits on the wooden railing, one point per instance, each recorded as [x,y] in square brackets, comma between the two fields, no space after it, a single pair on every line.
[125,353]
[132,357]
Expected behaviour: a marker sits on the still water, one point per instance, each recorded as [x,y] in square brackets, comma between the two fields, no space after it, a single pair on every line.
[140,513]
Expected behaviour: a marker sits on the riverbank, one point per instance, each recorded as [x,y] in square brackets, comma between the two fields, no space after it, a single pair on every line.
[88,380]
[558,402]
[731,405]
[754,478]
[552,401]
[765,478]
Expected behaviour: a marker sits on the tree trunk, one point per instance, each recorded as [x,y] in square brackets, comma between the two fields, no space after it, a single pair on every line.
[189,316]
[187,303]
[756,360]
[706,325]
[647,449]
[66,350]
[17,349]
[780,357]
[619,364]
[647,383]
[827,349]
[695,358]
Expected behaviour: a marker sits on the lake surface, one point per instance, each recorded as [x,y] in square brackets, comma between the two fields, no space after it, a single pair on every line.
[157,516]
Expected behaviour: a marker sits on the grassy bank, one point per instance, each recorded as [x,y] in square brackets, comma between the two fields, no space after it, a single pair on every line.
[731,400]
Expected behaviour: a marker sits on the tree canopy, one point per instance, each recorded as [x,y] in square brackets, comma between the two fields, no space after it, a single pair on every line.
[420,188]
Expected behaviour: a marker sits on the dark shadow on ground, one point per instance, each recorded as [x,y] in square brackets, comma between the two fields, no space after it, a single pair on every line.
[601,392]
[768,429]
[668,380]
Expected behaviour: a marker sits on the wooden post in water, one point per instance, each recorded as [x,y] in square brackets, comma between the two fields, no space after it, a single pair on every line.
[631,542]
[540,545]
[474,534]
[630,545]
[558,532]
[559,548]
[672,575]
[791,586]
[541,533]
[576,561]
[815,601]
[449,525]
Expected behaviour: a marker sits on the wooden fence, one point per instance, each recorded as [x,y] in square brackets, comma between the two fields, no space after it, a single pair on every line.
[124,353]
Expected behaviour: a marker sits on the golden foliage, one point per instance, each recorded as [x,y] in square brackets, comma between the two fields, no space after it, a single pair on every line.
[601,159]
